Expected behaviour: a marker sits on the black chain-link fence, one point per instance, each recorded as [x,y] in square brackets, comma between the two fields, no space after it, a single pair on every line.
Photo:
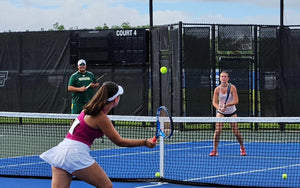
[263,62]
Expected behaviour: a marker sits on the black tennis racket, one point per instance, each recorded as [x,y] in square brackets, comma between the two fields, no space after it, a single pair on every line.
[164,124]
[97,80]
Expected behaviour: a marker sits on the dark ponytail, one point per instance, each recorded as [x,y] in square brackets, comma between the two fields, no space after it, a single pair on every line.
[97,103]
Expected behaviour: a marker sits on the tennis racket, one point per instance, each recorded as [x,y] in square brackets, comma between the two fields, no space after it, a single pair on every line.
[164,124]
[97,80]
[228,92]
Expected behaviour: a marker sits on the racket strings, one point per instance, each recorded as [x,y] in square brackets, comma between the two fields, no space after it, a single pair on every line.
[167,128]
[166,122]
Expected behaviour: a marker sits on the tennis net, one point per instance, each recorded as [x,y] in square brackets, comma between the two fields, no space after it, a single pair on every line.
[272,146]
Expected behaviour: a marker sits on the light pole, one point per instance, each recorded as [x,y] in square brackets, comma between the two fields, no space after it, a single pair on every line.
[281,13]
[151,13]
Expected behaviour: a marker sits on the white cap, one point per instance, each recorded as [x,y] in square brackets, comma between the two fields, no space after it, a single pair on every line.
[81,61]
[120,92]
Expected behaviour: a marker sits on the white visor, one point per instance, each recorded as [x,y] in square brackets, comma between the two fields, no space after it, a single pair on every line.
[120,92]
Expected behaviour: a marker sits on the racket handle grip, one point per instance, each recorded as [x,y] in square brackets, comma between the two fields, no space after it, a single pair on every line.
[154,139]
[88,86]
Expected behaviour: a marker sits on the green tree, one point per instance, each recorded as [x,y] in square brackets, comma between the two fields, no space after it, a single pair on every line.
[105,26]
[125,25]
[58,27]
[102,27]
[115,27]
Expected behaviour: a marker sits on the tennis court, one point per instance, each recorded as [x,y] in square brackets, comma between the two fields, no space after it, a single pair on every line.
[270,153]
[262,164]
[262,167]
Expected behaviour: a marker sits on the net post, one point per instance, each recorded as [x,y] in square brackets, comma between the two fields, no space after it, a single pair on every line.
[282,126]
[20,120]
[161,153]
[255,126]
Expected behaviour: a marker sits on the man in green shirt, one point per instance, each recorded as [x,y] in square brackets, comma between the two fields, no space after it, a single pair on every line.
[78,82]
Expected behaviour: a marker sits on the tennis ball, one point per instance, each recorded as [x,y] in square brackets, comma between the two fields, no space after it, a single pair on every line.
[157,174]
[284,176]
[163,70]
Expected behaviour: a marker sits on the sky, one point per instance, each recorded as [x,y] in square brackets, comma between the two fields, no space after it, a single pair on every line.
[37,15]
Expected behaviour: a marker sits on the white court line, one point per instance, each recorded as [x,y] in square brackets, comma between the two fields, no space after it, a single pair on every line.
[24,164]
[126,154]
[150,152]
[155,185]
[16,157]
[200,147]
[251,156]
[245,172]
[248,156]
[105,156]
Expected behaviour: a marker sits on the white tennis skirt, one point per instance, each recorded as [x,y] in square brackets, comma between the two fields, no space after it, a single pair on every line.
[69,155]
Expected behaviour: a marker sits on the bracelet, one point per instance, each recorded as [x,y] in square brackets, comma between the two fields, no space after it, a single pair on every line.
[145,142]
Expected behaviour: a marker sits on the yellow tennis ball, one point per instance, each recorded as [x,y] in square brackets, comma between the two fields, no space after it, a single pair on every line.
[163,70]
[157,174]
[284,176]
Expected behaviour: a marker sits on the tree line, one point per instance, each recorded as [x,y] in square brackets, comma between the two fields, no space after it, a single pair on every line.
[124,25]
[59,27]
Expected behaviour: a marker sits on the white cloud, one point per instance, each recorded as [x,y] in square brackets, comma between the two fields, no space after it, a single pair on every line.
[18,15]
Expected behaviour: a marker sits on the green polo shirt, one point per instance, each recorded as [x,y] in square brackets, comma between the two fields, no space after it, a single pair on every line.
[79,99]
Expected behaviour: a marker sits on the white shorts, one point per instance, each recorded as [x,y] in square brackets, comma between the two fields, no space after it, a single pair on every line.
[69,155]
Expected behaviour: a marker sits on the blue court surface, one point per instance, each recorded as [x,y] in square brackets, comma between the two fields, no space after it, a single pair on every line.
[186,161]
[44,183]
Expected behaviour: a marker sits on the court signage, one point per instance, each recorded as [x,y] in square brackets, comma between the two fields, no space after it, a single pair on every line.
[3,77]
[126,33]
